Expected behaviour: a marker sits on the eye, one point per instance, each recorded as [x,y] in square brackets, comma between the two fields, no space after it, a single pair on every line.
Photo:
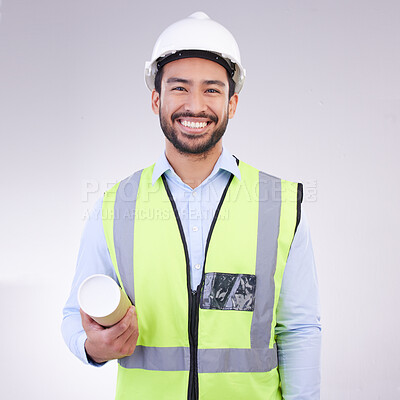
[178,88]
[212,91]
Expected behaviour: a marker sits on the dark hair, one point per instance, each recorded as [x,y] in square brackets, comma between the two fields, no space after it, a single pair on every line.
[159,75]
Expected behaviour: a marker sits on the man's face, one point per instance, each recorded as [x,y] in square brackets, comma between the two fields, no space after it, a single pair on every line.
[193,106]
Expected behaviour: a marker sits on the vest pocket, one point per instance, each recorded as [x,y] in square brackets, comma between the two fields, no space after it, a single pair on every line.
[222,291]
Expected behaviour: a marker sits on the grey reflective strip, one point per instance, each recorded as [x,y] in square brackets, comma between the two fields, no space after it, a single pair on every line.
[267,246]
[237,360]
[210,360]
[124,220]
[158,358]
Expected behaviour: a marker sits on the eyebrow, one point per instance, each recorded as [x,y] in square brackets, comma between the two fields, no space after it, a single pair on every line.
[215,82]
[178,80]
[189,82]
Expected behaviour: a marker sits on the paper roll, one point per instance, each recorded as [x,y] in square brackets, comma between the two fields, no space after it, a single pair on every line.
[100,297]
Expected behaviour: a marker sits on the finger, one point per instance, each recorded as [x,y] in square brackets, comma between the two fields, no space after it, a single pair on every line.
[125,324]
[124,330]
[126,343]
[130,342]
[132,332]
[119,328]
[132,329]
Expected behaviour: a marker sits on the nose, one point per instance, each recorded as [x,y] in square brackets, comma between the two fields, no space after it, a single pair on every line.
[195,102]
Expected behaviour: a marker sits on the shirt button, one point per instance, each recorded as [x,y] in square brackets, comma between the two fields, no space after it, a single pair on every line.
[195,229]
[197,266]
[194,194]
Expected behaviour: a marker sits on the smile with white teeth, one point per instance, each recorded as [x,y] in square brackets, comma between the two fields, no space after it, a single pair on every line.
[193,125]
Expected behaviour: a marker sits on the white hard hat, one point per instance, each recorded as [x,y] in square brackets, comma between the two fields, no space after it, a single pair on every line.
[201,35]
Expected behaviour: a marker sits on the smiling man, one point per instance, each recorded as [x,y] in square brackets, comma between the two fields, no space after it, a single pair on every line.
[199,109]
[194,104]
[215,255]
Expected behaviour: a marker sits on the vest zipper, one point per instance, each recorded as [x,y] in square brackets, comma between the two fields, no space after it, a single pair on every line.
[193,388]
[194,295]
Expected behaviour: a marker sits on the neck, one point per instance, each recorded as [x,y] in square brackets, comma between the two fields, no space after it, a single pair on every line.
[192,168]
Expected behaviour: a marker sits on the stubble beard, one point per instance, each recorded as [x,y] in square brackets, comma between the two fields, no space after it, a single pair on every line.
[194,143]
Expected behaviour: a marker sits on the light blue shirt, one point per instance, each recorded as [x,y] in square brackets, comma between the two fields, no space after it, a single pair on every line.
[298,318]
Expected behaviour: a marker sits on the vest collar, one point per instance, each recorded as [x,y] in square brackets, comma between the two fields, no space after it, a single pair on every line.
[225,161]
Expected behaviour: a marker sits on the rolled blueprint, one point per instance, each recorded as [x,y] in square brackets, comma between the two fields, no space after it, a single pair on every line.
[102,298]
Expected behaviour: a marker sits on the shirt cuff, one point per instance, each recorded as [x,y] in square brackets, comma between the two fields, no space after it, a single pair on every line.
[84,356]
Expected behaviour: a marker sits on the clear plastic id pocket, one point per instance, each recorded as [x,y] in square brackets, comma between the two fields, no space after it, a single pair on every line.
[223,291]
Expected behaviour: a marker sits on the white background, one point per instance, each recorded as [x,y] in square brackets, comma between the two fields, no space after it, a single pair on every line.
[321,104]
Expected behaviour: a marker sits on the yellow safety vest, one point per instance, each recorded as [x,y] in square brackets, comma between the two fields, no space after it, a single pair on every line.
[219,341]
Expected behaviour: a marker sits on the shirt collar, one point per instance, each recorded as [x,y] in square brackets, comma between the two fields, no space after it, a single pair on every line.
[225,161]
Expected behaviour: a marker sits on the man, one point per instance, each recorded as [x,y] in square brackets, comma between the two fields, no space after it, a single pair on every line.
[214,255]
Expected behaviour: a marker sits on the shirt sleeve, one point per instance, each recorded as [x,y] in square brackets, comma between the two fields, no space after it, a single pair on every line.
[93,258]
[298,329]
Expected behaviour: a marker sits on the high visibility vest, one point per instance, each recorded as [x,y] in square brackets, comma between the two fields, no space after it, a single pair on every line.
[217,342]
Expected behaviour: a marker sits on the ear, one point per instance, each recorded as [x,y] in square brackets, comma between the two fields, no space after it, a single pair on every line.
[155,101]
[233,101]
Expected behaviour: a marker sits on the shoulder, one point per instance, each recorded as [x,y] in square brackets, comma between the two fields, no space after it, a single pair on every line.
[130,183]
[265,177]
[287,193]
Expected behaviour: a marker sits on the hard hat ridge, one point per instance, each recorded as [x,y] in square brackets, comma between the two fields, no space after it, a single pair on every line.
[199,15]
[196,36]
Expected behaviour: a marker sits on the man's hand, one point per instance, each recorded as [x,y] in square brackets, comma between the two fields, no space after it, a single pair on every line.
[118,341]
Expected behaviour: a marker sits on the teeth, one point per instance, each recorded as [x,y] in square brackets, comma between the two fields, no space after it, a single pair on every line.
[195,125]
